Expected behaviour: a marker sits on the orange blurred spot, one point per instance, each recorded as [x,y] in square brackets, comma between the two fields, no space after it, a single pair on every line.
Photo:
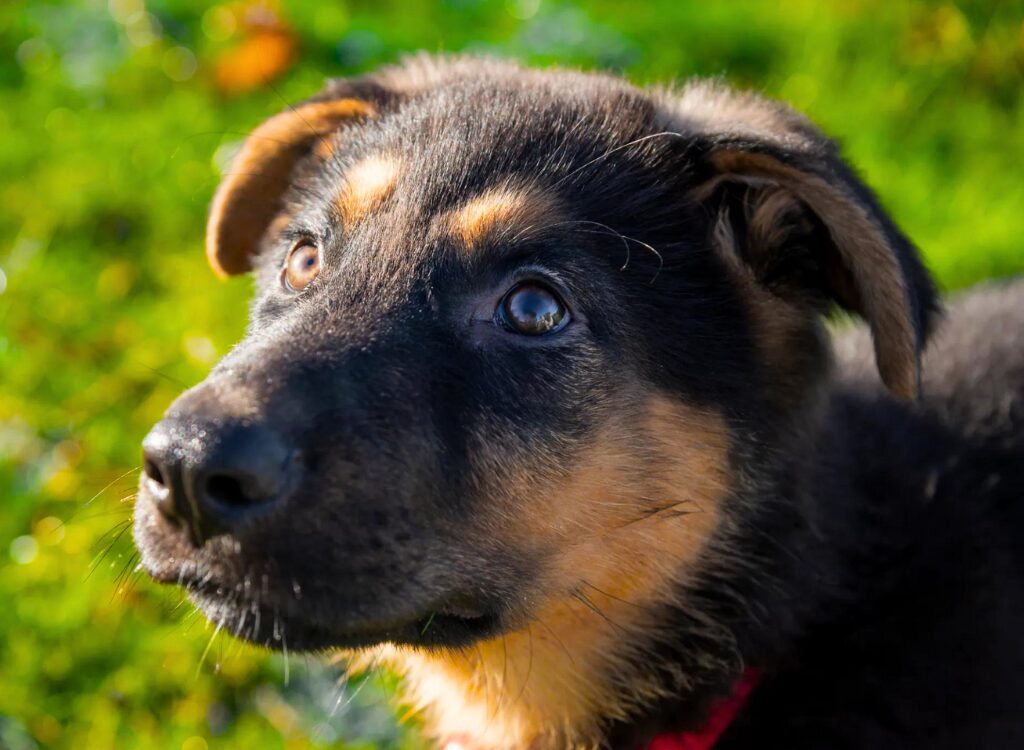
[267,50]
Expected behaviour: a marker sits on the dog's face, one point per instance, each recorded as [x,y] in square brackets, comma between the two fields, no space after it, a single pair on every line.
[516,340]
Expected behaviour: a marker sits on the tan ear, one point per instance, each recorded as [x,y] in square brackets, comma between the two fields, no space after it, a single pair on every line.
[867,266]
[250,196]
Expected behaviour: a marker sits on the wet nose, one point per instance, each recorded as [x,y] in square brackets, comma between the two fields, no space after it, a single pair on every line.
[213,479]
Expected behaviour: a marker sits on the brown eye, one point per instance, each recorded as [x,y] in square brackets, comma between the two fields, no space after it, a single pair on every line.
[532,309]
[302,266]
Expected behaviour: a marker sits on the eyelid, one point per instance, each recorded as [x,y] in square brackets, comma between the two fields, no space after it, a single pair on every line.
[294,234]
[295,240]
[541,275]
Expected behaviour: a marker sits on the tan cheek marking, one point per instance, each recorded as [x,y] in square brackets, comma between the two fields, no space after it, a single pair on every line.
[367,184]
[500,208]
[556,681]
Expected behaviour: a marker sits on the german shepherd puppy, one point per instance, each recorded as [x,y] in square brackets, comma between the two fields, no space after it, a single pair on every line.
[537,405]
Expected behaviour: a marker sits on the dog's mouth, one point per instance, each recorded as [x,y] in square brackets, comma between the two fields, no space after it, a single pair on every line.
[264,598]
[267,616]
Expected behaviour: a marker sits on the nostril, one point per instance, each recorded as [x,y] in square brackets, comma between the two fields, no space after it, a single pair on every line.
[158,470]
[151,470]
[227,490]
[214,477]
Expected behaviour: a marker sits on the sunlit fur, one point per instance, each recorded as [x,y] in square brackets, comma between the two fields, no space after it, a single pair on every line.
[504,209]
[367,185]
[581,540]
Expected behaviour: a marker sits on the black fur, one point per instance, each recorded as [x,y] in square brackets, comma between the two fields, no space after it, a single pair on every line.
[870,560]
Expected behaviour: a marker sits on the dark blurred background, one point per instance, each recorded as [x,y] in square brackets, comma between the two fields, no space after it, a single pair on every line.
[116,119]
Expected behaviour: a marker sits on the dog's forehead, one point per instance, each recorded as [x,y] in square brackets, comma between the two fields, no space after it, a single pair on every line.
[470,162]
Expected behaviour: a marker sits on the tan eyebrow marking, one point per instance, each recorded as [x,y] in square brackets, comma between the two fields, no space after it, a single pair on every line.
[500,208]
[368,183]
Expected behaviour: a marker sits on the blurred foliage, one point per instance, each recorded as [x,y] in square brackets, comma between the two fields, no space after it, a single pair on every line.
[116,119]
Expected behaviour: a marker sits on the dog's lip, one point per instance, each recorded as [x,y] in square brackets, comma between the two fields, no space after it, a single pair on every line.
[449,624]
[464,610]
[162,573]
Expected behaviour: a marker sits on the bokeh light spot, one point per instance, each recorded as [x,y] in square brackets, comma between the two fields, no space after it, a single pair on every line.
[219,23]
[123,10]
[49,531]
[35,55]
[522,9]
[24,550]
[179,63]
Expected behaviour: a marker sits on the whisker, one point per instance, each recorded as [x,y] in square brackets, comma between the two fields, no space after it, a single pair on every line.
[359,688]
[342,684]
[107,487]
[284,651]
[658,255]
[486,682]
[579,596]
[612,596]
[611,151]
[120,511]
[557,640]
[206,651]
[665,511]
[504,677]
[121,527]
[162,374]
[610,231]
[126,571]
[132,581]
[529,665]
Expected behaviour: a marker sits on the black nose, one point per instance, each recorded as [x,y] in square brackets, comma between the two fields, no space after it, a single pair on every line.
[214,478]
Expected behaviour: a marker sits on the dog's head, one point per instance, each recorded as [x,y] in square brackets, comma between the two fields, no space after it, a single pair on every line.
[520,341]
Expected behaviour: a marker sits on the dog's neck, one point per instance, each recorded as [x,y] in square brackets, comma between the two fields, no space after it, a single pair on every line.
[557,682]
[583,662]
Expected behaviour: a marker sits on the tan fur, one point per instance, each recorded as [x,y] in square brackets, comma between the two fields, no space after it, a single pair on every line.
[423,71]
[500,209]
[708,106]
[326,147]
[554,681]
[862,247]
[367,185]
[771,220]
[250,195]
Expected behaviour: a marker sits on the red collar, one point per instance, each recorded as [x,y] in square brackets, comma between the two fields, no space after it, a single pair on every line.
[722,715]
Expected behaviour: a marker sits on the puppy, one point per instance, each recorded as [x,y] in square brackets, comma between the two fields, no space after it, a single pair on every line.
[538,407]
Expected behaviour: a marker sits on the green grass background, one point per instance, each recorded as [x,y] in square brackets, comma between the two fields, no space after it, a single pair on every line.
[111,130]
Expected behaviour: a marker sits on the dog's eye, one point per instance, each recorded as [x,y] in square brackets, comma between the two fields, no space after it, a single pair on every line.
[532,309]
[301,267]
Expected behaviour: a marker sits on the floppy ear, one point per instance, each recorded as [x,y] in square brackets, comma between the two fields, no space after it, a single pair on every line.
[250,196]
[806,227]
